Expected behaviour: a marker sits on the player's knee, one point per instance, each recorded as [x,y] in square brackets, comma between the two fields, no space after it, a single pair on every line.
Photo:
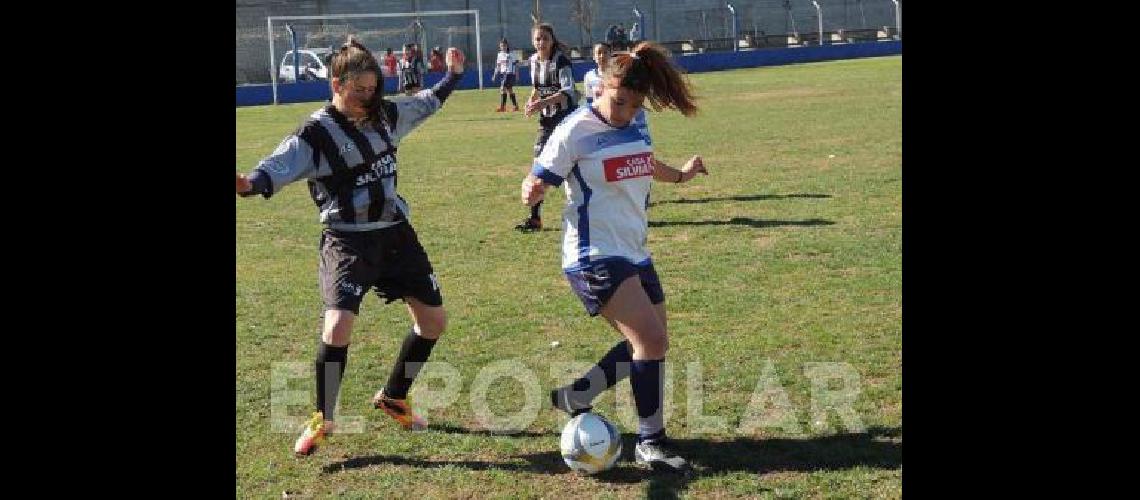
[651,345]
[658,346]
[431,326]
[337,332]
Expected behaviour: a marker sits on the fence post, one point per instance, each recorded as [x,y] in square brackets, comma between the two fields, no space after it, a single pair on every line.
[735,35]
[296,55]
[640,23]
[898,18]
[819,16]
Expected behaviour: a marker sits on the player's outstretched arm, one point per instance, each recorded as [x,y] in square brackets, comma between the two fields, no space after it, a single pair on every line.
[665,173]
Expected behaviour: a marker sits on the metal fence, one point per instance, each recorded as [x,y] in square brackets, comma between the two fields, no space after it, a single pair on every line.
[682,25]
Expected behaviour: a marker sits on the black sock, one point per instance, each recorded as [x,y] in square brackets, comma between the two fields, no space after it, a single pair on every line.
[513,101]
[648,390]
[329,370]
[611,369]
[413,354]
[536,211]
[502,100]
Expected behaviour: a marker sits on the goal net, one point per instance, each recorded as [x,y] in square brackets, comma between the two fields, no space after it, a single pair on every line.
[319,35]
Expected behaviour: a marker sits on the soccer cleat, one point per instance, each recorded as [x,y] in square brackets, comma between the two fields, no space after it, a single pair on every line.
[500,109]
[660,455]
[400,410]
[560,399]
[530,224]
[516,108]
[313,436]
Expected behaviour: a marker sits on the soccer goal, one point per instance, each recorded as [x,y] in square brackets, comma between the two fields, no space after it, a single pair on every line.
[299,38]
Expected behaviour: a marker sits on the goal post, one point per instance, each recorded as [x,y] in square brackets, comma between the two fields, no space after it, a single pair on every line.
[378,31]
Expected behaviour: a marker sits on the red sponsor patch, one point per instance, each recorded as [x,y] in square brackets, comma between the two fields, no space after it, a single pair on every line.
[628,167]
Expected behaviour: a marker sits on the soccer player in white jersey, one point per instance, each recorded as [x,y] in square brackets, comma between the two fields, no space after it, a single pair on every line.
[604,156]
[553,97]
[347,152]
[592,80]
[507,66]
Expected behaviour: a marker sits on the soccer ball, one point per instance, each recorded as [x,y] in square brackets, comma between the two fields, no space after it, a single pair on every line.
[590,443]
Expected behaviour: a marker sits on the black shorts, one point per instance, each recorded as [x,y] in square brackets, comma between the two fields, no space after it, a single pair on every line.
[391,260]
[408,82]
[508,82]
[596,284]
[543,136]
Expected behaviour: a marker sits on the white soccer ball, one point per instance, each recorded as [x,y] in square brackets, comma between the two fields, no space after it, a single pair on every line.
[590,443]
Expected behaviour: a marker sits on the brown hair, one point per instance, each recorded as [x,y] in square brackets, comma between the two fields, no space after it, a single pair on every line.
[354,59]
[556,46]
[650,70]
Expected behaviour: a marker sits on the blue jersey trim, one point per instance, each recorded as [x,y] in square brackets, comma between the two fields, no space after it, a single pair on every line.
[609,138]
[605,258]
[547,176]
[583,219]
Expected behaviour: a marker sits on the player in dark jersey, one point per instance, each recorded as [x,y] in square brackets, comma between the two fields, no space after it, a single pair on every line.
[553,97]
[347,152]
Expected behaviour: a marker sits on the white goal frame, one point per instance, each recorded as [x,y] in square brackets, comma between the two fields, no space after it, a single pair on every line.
[273,58]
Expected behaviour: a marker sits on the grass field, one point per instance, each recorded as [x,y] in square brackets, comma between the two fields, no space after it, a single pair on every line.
[784,263]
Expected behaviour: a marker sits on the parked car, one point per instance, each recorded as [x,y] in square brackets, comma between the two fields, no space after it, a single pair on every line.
[314,65]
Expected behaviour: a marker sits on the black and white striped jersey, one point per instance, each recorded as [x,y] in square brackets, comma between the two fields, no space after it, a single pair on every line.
[550,77]
[351,169]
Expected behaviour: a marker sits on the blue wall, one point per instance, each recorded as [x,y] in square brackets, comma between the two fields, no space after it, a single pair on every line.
[253,95]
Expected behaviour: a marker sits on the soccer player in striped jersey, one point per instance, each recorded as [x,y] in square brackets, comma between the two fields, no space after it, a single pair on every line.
[592,80]
[507,66]
[606,160]
[347,153]
[553,97]
[411,69]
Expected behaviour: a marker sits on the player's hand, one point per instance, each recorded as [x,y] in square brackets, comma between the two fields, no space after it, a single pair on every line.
[533,190]
[532,107]
[243,184]
[692,167]
[455,60]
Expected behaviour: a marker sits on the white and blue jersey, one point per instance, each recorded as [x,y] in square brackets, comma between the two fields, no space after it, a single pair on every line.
[607,171]
[593,83]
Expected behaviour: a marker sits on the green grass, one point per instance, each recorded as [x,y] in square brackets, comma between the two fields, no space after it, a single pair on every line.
[781,256]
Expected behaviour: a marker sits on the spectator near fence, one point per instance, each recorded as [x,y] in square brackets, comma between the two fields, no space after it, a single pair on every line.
[389,63]
[634,34]
[436,61]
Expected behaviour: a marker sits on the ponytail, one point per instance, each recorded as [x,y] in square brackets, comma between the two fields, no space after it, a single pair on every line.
[648,69]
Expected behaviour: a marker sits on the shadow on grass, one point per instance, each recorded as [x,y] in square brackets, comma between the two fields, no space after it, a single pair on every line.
[451,429]
[750,197]
[744,221]
[878,447]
